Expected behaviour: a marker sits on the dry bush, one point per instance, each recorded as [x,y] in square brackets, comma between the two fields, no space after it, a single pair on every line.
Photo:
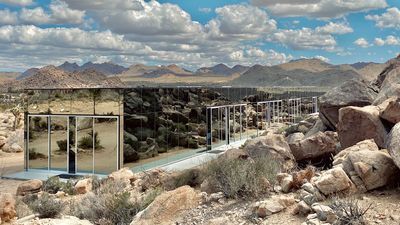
[110,203]
[22,209]
[302,176]
[238,178]
[348,211]
[192,177]
[46,206]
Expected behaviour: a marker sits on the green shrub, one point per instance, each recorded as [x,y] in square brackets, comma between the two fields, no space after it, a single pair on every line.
[86,142]
[238,178]
[62,145]
[54,184]
[35,155]
[46,206]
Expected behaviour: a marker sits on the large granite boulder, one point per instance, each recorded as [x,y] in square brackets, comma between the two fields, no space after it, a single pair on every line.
[393,144]
[351,93]
[273,145]
[388,81]
[389,110]
[315,146]
[374,168]
[168,206]
[360,123]
[29,187]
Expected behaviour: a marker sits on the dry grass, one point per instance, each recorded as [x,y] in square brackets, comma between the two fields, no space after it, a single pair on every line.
[349,212]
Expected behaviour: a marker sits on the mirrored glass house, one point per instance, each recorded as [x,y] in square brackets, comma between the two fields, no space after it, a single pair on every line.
[100,130]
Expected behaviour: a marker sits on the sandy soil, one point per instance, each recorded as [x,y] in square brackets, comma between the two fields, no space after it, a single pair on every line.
[10,163]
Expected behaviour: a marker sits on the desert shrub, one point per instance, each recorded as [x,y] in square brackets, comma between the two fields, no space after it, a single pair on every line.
[54,184]
[150,196]
[108,204]
[62,145]
[241,178]
[191,177]
[86,142]
[46,206]
[21,208]
[348,211]
[35,155]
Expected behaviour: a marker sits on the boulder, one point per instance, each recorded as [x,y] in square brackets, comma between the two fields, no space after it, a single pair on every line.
[292,138]
[388,81]
[273,145]
[268,207]
[7,207]
[333,181]
[84,186]
[324,213]
[125,175]
[29,187]
[362,145]
[393,144]
[168,206]
[319,126]
[360,123]
[3,141]
[16,148]
[390,110]
[351,93]
[375,168]
[315,146]
[130,154]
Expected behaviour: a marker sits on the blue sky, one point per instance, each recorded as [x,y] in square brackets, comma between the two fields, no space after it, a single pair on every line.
[193,33]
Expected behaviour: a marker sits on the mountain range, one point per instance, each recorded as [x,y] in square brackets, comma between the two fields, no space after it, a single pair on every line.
[300,72]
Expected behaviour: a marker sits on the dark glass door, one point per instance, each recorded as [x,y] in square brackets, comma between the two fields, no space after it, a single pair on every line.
[72,145]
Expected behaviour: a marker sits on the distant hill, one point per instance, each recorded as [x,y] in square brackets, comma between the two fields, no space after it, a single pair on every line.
[8,76]
[222,69]
[27,73]
[277,76]
[54,77]
[106,68]
[312,65]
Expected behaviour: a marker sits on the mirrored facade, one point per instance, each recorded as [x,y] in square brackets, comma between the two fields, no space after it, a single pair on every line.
[101,130]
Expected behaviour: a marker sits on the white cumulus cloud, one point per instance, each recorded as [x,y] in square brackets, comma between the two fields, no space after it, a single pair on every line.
[362,42]
[7,17]
[335,28]
[17,2]
[389,19]
[319,8]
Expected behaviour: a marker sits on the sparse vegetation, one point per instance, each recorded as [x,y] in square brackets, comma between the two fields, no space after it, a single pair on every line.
[35,155]
[111,204]
[238,178]
[86,142]
[46,206]
[54,184]
[349,212]
[62,145]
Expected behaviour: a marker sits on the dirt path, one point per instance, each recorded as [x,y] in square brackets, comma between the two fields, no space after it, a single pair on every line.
[10,163]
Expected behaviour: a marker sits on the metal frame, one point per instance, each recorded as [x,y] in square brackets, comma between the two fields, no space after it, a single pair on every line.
[274,110]
[48,116]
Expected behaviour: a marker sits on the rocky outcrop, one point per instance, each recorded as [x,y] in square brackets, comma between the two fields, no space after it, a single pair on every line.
[374,168]
[29,187]
[351,93]
[393,144]
[167,207]
[360,123]
[315,146]
[273,145]
[390,110]
[293,138]
[7,207]
[388,81]
[360,146]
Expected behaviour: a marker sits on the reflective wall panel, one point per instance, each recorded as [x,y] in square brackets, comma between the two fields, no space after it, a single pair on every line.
[38,142]
[59,143]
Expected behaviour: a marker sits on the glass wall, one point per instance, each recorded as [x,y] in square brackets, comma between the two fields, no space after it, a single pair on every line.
[38,145]
[59,141]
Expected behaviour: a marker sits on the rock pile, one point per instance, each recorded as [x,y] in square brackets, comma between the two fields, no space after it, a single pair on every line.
[9,138]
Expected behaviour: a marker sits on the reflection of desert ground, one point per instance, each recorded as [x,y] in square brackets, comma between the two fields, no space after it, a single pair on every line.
[105,159]
[60,106]
[10,163]
[170,79]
